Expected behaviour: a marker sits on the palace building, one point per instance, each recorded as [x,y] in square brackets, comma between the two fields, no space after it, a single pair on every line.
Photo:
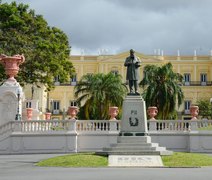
[196,70]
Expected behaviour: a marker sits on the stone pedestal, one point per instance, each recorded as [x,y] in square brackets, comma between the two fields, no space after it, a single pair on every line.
[134,146]
[134,120]
[9,103]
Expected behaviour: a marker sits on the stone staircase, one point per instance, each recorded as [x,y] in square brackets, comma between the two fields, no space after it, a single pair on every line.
[136,145]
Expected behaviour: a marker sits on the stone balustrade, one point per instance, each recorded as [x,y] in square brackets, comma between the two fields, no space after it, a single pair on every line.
[63,136]
[97,125]
[81,126]
[6,127]
[178,125]
[46,125]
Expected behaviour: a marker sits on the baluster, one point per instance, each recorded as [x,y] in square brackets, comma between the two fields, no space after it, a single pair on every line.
[27,126]
[105,126]
[46,123]
[94,124]
[80,126]
[51,125]
[102,126]
[31,126]
[108,126]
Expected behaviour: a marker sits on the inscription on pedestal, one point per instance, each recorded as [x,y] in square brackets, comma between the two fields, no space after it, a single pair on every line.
[133,160]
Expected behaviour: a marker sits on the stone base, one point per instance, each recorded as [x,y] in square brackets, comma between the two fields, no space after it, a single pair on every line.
[134,160]
[133,134]
[136,145]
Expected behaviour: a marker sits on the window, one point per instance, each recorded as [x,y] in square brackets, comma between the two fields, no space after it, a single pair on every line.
[28,104]
[74,80]
[56,107]
[57,80]
[116,72]
[187,78]
[187,105]
[203,79]
[73,103]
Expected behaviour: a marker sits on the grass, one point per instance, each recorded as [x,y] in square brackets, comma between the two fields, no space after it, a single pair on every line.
[187,160]
[92,160]
[76,160]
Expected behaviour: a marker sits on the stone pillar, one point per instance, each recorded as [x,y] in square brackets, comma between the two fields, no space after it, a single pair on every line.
[10,103]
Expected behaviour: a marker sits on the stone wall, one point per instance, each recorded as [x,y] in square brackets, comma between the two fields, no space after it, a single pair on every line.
[76,136]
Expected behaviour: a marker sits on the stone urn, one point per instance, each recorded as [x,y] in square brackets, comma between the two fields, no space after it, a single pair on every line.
[48,115]
[29,113]
[113,112]
[73,111]
[152,112]
[194,110]
[11,65]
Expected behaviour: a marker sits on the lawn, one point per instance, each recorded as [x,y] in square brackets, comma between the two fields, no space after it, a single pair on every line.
[76,160]
[187,160]
[93,160]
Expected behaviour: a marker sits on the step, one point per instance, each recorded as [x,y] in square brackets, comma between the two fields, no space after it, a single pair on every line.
[133,148]
[137,152]
[134,139]
[141,144]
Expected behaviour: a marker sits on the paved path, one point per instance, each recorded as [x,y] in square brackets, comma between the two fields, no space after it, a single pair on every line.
[21,167]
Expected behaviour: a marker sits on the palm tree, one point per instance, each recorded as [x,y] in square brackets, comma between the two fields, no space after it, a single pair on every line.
[99,91]
[162,89]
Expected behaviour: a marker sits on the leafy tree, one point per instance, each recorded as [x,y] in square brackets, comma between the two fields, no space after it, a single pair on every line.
[205,108]
[45,48]
[162,89]
[97,92]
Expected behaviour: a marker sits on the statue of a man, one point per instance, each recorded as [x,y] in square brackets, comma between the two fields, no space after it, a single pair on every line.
[132,63]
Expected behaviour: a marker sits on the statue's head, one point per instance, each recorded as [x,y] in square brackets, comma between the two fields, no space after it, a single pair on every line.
[132,51]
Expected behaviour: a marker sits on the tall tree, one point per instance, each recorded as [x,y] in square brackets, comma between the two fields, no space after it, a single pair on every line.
[205,108]
[96,92]
[45,48]
[162,89]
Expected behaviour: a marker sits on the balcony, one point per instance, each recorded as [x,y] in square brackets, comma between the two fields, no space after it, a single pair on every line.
[56,111]
[197,83]
[67,84]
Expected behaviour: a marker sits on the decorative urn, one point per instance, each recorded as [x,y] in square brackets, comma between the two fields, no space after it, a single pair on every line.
[29,113]
[113,112]
[73,111]
[152,112]
[48,115]
[194,110]
[11,65]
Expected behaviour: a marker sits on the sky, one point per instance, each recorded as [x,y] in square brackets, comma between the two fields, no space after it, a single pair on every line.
[114,26]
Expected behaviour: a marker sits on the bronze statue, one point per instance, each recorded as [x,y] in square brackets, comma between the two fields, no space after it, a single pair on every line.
[132,63]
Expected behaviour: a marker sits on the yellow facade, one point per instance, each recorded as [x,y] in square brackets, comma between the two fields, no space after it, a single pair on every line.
[195,69]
